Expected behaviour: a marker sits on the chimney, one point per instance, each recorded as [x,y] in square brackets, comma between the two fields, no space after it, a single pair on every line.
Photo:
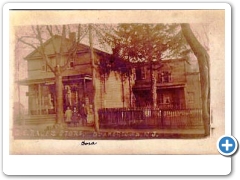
[72,36]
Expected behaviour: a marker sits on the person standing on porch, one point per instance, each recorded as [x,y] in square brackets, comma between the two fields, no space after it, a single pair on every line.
[83,113]
[68,95]
[75,117]
[68,115]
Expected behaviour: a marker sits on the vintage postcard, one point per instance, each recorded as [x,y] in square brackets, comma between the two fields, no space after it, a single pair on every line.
[141,81]
[107,79]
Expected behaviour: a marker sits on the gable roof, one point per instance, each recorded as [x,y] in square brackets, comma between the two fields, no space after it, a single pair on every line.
[82,48]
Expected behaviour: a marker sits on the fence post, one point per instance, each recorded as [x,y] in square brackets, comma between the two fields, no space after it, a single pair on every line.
[162,118]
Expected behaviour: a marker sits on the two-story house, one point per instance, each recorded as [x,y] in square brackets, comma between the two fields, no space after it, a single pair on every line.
[177,86]
[76,79]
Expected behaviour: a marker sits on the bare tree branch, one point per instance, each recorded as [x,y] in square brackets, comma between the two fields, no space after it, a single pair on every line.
[83,36]
[34,31]
[63,38]
[58,31]
[24,42]
[49,29]
[71,55]
[45,57]
[69,30]
[72,49]
[79,33]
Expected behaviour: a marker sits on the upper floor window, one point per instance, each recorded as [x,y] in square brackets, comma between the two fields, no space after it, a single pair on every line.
[44,66]
[70,64]
[141,73]
[165,77]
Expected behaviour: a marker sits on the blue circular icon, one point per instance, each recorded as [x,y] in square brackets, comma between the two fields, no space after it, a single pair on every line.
[227,145]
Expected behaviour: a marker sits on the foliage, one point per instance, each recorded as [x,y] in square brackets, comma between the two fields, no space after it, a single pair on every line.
[134,44]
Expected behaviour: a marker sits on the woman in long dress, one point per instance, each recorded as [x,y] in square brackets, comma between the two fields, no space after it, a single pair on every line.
[75,117]
[68,115]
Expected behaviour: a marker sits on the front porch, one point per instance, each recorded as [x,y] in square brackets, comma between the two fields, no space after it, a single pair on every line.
[77,90]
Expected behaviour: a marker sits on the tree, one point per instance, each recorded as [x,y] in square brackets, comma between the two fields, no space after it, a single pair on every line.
[139,43]
[62,53]
[93,76]
[145,44]
[203,62]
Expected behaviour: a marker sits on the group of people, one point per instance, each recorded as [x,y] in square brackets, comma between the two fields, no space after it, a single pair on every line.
[75,117]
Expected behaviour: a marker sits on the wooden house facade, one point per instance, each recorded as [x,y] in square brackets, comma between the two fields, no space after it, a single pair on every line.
[117,102]
[76,79]
[177,86]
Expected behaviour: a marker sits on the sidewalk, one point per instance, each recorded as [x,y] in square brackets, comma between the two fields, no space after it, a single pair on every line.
[88,132]
[141,133]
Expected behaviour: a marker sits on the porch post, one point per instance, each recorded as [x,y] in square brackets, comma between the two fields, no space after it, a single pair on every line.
[84,86]
[130,89]
[59,97]
[39,99]
[123,97]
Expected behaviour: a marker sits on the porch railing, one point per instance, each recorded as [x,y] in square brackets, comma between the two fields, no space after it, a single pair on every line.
[149,118]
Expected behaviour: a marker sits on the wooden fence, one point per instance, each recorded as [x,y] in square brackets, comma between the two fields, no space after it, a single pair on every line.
[149,118]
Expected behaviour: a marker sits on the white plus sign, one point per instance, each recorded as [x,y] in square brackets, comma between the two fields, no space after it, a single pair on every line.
[227,145]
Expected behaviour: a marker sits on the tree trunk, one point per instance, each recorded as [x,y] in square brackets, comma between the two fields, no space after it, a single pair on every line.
[96,121]
[59,97]
[154,90]
[203,62]
[153,87]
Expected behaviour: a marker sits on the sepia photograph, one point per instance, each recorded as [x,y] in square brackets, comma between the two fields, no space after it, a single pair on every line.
[116,80]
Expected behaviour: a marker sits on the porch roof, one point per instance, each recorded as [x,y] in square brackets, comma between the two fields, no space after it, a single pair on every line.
[52,80]
[159,86]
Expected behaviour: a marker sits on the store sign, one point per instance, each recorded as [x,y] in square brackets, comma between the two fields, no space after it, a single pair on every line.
[79,134]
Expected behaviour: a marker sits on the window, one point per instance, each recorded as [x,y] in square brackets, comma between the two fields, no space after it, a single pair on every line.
[48,69]
[44,66]
[52,63]
[165,77]
[160,98]
[143,69]
[141,73]
[71,65]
